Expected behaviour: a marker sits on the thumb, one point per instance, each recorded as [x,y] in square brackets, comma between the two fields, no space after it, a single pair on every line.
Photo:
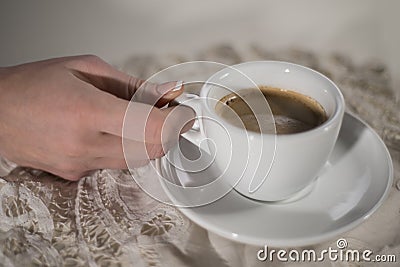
[174,121]
[165,125]
[157,131]
[157,94]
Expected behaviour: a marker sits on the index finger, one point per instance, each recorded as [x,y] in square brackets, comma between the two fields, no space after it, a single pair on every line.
[100,74]
[144,123]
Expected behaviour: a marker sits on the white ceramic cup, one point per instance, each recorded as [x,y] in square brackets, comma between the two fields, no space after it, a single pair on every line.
[266,166]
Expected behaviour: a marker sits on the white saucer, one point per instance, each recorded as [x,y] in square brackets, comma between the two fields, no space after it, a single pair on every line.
[355,184]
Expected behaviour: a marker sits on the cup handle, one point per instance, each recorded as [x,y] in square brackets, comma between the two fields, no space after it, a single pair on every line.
[195,135]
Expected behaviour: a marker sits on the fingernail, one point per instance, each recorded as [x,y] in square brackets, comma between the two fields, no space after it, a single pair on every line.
[169,87]
[178,86]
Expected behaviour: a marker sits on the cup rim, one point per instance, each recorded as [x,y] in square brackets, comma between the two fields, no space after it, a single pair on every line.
[336,94]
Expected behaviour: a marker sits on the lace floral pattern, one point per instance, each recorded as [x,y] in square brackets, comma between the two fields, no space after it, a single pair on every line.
[79,224]
[106,220]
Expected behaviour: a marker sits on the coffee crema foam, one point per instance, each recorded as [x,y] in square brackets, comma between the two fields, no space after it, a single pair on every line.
[292,112]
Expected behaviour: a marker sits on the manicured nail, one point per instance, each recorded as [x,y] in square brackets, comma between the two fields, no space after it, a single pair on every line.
[178,86]
[169,87]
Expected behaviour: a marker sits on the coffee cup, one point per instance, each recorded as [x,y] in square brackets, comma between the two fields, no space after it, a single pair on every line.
[265,165]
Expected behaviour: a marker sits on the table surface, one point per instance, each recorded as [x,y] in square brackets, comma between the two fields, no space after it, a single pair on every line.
[107,220]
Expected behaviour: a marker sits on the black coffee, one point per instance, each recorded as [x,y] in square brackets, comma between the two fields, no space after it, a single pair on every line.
[292,112]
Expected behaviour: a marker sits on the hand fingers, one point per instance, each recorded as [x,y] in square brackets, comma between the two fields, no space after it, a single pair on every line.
[159,126]
[141,122]
[97,72]
[157,94]
[111,146]
[107,153]
[85,167]
[152,141]
[71,175]
[111,163]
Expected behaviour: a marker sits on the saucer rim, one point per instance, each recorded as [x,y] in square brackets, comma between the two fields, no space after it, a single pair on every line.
[295,242]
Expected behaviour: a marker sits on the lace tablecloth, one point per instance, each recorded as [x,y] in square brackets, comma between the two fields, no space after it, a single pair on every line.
[106,220]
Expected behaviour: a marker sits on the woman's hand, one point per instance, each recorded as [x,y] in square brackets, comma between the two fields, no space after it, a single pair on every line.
[66,115]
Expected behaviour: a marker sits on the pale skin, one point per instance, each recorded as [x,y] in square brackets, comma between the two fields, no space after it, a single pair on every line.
[65,116]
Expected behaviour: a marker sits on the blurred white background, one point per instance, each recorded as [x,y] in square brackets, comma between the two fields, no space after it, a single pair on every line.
[115,30]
